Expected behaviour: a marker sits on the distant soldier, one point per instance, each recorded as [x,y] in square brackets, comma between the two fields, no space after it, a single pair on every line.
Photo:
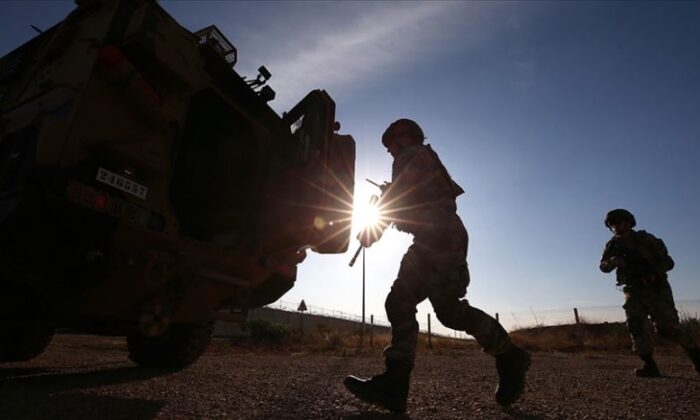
[421,200]
[642,261]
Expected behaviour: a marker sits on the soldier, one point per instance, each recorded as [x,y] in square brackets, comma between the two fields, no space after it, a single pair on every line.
[421,200]
[642,262]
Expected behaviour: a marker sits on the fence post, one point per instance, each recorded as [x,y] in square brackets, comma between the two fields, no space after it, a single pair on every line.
[430,341]
[371,331]
[576,316]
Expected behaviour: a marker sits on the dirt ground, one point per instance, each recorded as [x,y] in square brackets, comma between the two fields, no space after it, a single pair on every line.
[91,377]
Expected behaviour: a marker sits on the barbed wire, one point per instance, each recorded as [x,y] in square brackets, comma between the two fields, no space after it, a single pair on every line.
[332,313]
[511,320]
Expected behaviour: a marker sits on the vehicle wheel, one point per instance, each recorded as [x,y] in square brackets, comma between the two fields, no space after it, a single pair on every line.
[179,347]
[19,343]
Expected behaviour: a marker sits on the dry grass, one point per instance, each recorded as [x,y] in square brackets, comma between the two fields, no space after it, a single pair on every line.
[606,336]
[355,342]
[574,337]
[584,336]
[278,337]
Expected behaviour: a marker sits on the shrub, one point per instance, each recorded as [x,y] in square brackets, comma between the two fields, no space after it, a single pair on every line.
[574,337]
[690,324]
[262,330]
[331,340]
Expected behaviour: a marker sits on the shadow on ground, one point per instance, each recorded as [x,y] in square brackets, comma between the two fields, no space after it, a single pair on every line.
[371,415]
[32,393]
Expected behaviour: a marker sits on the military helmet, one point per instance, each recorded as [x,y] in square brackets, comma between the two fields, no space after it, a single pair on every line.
[403,126]
[619,215]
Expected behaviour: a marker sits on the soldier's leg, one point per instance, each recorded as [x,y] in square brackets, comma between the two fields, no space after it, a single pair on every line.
[457,314]
[638,322]
[640,331]
[408,290]
[390,389]
[512,362]
[664,315]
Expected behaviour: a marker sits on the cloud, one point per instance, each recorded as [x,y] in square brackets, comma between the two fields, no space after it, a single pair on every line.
[382,40]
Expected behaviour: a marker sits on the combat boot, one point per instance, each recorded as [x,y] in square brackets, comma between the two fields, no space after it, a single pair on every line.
[388,390]
[649,370]
[512,367]
[694,355]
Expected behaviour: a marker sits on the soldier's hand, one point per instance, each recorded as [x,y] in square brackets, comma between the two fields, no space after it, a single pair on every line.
[649,281]
[385,186]
[618,262]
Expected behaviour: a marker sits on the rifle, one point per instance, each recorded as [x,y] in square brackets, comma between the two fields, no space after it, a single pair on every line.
[354,257]
[382,187]
[637,267]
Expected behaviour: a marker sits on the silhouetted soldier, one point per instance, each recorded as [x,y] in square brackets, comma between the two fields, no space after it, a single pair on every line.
[642,262]
[421,200]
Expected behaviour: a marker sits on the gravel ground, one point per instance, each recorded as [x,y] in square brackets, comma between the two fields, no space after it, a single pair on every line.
[90,377]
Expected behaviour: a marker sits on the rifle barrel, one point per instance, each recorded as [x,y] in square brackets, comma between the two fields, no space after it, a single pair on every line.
[373,183]
[354,257]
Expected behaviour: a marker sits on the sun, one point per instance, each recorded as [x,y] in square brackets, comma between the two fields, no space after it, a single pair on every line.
[366,215]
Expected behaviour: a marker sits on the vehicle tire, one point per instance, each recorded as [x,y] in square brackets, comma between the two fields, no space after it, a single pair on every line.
[19,343]
[179,347]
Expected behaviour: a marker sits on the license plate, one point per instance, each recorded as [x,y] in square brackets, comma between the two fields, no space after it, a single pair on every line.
[121,183]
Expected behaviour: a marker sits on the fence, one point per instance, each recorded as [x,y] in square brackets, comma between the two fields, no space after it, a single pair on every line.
[424,325]
[510,320]
[332,313]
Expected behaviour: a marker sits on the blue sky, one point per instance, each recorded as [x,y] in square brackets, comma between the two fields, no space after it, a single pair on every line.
[548,115]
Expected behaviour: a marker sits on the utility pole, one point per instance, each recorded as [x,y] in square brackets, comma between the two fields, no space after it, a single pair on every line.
[352,262]
[430,334]
[363,294]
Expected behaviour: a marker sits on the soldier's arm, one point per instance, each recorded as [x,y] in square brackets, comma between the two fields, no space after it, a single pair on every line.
[406,179]
[608,262]
[660,253]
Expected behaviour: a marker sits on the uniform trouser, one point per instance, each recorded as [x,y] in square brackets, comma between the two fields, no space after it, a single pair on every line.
[642,303]
[424,274]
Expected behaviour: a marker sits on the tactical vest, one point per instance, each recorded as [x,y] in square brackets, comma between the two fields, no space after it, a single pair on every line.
[641,261]
[432,202]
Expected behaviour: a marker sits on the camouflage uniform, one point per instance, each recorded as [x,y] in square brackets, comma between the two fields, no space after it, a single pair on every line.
[421,197]
[647,292]
[421,200]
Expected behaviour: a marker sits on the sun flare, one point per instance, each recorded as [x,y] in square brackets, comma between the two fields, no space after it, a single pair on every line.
[366,215]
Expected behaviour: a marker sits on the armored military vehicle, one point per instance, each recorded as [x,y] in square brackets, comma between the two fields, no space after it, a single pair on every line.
[147,189]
